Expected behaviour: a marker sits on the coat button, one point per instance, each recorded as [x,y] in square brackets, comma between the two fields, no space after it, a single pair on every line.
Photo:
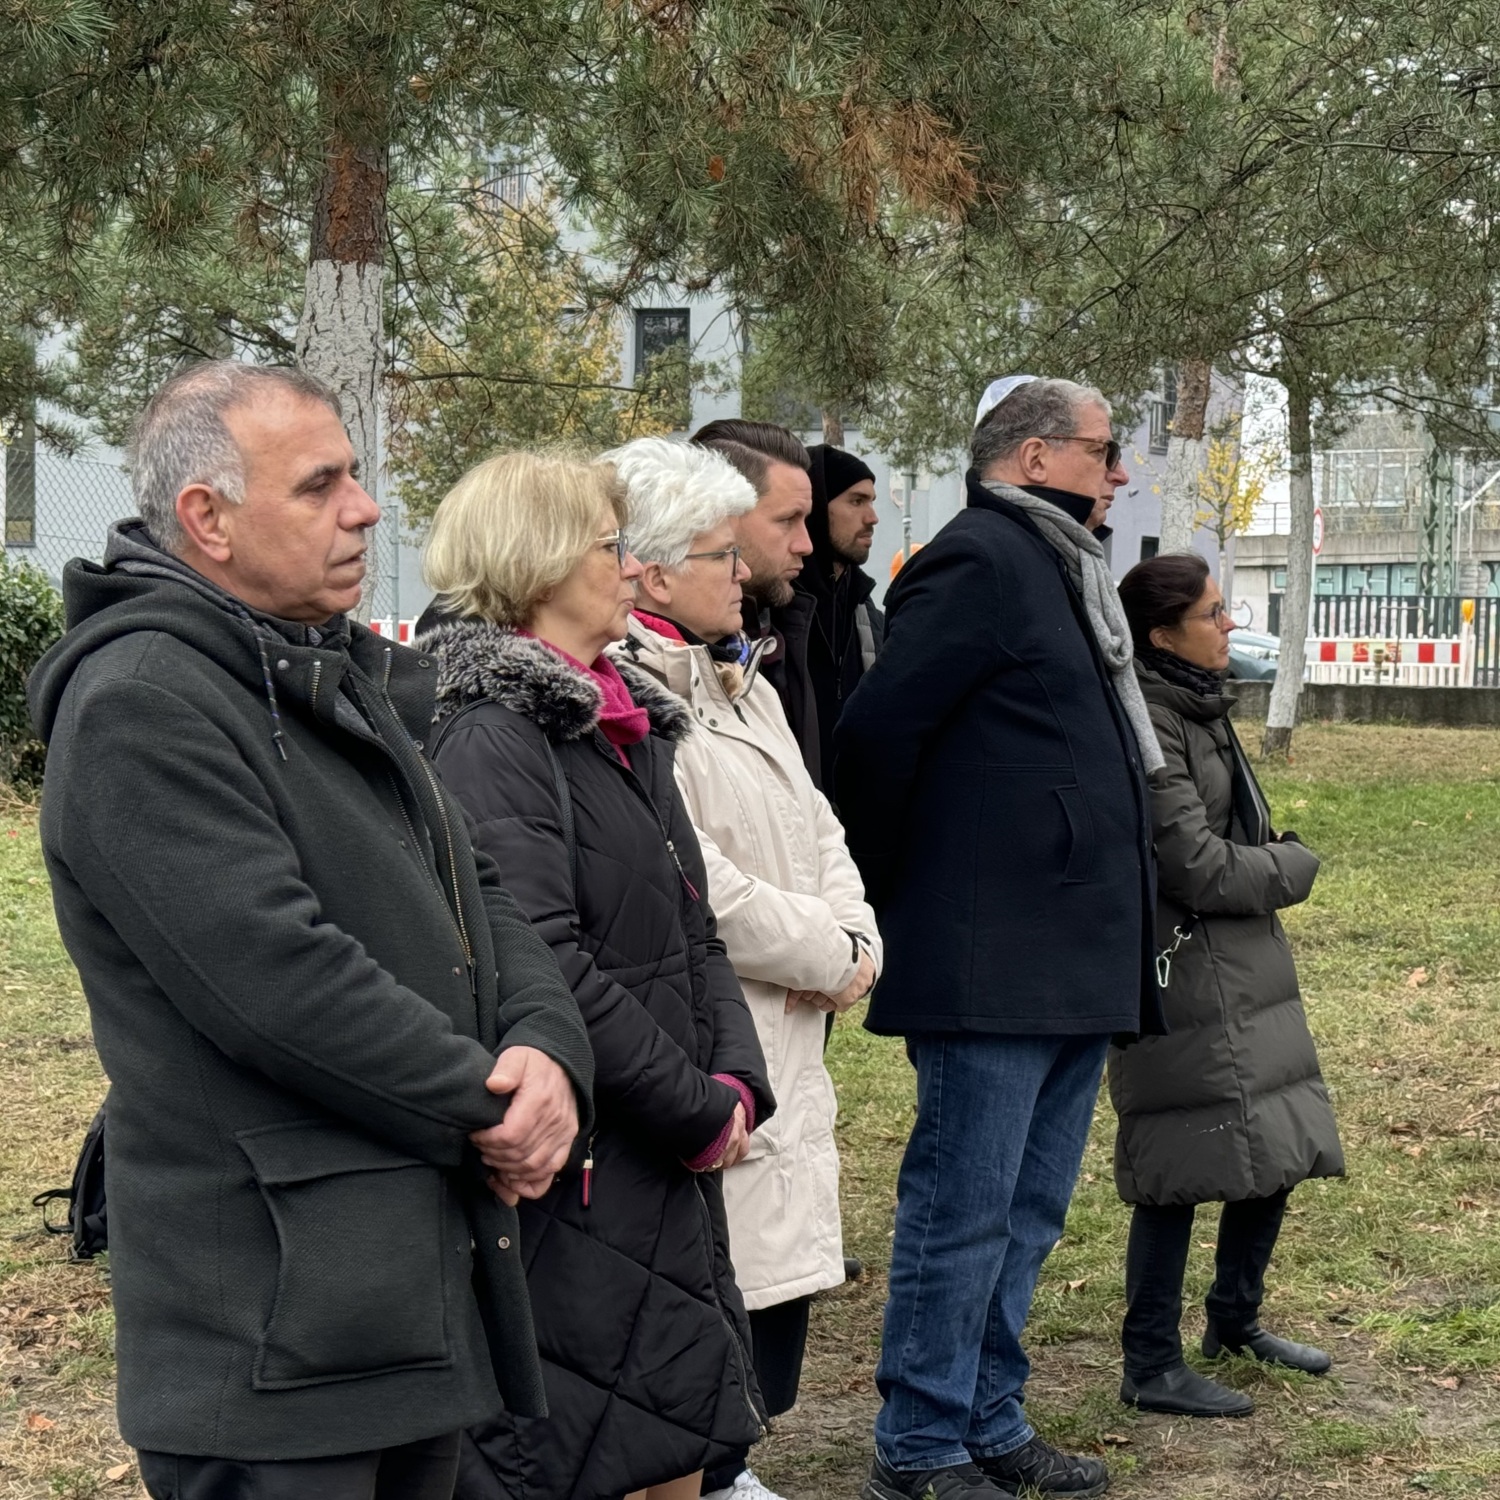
[283,665]
[713,723]
[456,970]
[504,1242]
[416,744]
[423,662]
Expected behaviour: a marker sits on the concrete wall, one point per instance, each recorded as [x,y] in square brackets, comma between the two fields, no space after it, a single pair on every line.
[1457,708]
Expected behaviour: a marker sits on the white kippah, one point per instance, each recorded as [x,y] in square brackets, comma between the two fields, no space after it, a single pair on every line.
[996,392]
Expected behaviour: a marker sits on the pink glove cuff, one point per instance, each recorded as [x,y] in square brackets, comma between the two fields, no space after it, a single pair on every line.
[716,1148]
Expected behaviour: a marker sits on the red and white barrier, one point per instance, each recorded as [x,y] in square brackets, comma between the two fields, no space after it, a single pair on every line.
[1406,663]
[404,633]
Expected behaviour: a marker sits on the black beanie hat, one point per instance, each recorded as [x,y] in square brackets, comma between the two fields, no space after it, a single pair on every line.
[834,471]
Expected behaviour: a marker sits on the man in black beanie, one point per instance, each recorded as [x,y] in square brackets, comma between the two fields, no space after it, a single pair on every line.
[846,628]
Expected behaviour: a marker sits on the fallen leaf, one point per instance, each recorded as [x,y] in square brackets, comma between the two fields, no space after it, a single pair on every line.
[1418,823]
[1417,978]
[1469,1203]
[1078,1286]
[716,168]
[1300,802]
[1447,1383]
[36,1422]
[116,1474]
[1116,1440]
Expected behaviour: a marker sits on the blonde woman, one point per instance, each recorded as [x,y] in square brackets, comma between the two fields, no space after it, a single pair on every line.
[564,765]
[791,906]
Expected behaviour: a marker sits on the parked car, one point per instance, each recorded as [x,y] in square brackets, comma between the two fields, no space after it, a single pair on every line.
[1253,657]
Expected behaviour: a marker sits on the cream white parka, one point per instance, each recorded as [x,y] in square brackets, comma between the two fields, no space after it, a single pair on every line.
[787,899]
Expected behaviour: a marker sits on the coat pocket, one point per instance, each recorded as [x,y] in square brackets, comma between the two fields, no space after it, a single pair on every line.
[360,1279]
[1080,835]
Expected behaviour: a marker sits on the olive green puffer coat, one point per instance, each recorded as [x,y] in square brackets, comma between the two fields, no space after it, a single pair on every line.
[1231,1103]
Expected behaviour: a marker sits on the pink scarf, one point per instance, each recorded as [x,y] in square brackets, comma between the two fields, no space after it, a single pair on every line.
[621,721]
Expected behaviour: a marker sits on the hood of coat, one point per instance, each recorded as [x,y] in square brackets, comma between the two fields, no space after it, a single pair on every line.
[676,664]
[478,660]
[139,588]
[1156,689]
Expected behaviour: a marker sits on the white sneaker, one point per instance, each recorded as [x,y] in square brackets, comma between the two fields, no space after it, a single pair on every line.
[745,1487]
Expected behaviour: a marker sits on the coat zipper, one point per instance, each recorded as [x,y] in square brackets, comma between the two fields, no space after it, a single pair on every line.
[740,1357]
[588,1173]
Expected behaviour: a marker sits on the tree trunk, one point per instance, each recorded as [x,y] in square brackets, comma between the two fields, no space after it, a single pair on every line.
[833,427]
[1296,603]
[1179,491]
[340,337]
[1226,573]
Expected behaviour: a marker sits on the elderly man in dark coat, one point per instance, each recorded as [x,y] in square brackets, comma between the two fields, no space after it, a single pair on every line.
[322,1018]
[991,775]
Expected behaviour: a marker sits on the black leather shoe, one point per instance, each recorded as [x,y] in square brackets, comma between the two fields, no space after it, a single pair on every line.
[1185,1393]
[1265,1347]
[957,1482]
[1039,1466]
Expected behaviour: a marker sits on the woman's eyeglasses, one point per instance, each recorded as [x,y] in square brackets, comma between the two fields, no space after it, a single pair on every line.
[618,543]
[1218,614]
[732,553]
[1110,449]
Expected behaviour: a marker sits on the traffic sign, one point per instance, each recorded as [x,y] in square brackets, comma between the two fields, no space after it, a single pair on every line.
[1317,530]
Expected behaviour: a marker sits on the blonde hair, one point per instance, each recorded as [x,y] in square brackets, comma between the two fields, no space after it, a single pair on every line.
[514,527]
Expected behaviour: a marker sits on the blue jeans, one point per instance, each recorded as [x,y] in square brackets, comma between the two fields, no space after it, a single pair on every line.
[1001,1126]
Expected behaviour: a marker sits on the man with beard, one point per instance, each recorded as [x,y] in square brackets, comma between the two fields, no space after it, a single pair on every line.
[846,629]
[774,543]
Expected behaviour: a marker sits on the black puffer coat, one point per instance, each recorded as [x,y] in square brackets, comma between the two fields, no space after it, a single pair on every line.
[1230,1104]
[641,1329]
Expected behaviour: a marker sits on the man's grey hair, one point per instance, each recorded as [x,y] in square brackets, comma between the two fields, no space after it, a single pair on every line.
[1040,408]
[677,492]
[182,439]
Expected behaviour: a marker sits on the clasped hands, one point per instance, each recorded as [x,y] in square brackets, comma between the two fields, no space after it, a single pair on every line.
[526,1151]
[856,989]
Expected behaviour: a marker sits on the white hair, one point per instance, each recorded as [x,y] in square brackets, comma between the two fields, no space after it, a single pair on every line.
[677,492]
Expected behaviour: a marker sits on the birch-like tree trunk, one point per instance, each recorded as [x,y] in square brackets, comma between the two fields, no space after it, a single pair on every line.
[1226,572]
[833,427]
[340,337]
[1296,603]
[1179,490]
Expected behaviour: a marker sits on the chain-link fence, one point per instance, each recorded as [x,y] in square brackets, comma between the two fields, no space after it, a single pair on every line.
[57,508]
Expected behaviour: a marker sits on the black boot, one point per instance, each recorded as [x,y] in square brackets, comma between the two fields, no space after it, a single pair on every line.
[1265,1347]
[1185,1393]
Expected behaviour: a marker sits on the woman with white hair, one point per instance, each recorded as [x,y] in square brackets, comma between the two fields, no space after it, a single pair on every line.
[788,900]
[563,764]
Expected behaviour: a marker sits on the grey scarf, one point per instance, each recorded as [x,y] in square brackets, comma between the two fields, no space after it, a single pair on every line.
[1083,555]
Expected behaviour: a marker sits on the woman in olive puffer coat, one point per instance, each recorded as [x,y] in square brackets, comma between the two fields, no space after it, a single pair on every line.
[1230,1106]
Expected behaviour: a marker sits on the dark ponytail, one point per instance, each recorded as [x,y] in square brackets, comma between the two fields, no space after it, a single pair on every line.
[1157,593]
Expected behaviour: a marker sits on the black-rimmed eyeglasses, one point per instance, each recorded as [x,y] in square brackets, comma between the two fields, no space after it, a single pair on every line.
[1110,447]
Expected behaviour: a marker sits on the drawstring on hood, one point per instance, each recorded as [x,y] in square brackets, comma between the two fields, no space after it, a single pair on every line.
[277,738]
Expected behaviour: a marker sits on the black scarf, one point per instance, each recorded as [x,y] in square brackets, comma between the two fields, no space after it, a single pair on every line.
[1180,673]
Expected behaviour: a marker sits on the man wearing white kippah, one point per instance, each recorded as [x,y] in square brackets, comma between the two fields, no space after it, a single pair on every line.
[991,771]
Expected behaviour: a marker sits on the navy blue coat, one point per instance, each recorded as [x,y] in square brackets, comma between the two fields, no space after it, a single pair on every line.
[994,798]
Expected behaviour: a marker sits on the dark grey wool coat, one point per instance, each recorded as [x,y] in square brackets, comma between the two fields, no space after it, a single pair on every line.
[642,1330]
[1230,1104]
[298,976]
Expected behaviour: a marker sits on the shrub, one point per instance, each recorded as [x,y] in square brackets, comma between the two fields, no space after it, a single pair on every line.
[31,618]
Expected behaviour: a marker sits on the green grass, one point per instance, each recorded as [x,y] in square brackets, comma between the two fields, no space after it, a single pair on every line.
[1396,1270]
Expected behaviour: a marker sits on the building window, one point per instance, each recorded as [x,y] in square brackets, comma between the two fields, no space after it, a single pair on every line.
[508,183]
[659,330]
[19,494]
[1149,546]
[1163,409]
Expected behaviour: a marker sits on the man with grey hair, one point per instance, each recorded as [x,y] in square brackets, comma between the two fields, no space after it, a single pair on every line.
[338,1053]
[991,774]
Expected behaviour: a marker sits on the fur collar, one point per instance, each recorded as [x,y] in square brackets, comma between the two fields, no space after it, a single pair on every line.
[477,659]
